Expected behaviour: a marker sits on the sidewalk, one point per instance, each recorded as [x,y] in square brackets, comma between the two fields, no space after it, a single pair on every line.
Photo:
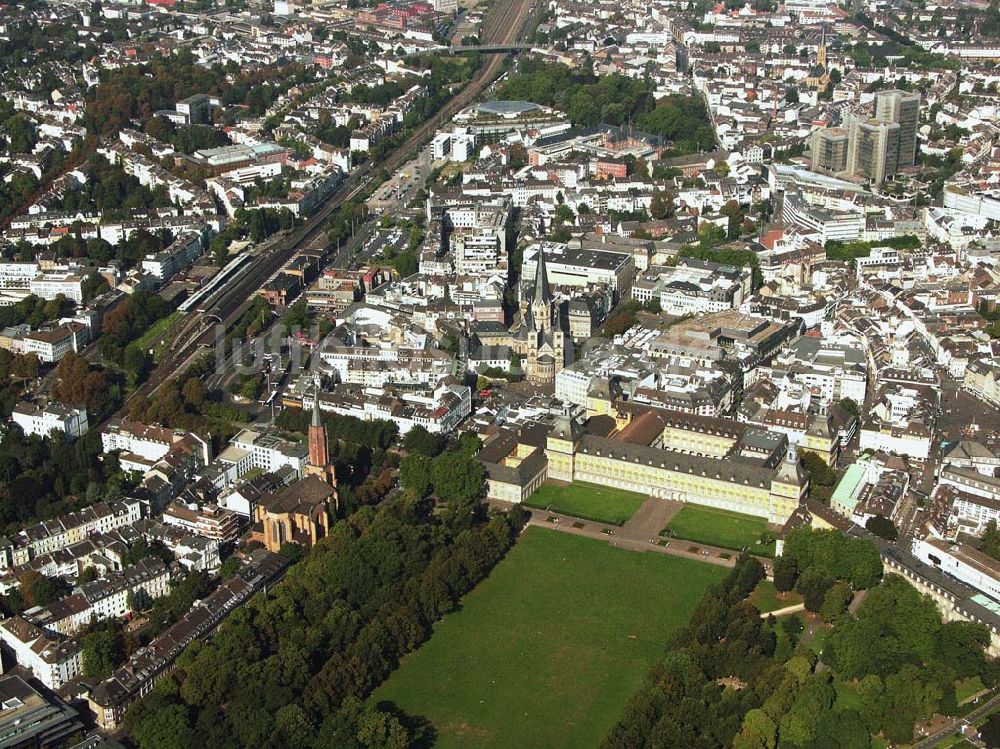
[795,607]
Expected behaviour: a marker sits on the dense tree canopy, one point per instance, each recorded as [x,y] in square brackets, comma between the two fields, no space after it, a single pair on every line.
[109,189]
[991,540]
[375,434]
[126,323]
[837,556]
[419,440]
[103,651]
[613,100]
[292,667]
[41,478]
[896,653]
[79,383]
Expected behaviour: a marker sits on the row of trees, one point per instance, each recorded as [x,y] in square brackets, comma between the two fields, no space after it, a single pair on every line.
[34,310]
[706,250]
[33,589]
[19,132]
[138,91]
[261,223]
[293,666]
[186,403]
[79,383]
[684,702]
[359,453]
[15,371]
[830,554]
[187,139]
[257,224]
[15,190]
[377,433]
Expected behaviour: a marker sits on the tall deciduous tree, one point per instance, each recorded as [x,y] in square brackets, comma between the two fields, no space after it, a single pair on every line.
[786,572]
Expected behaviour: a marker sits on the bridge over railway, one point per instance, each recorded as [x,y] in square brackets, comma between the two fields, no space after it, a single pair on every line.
[484,48]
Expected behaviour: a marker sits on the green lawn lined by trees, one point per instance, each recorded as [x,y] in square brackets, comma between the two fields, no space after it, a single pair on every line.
[767,598]
[881,670]
[729,530]
[603,504]
[546,651]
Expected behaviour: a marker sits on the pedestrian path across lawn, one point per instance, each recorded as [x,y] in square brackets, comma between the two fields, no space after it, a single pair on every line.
[549,648]
[603,504]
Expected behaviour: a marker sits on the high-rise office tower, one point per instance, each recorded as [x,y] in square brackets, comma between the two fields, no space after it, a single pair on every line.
[829,150]
[873,148]
[903,108]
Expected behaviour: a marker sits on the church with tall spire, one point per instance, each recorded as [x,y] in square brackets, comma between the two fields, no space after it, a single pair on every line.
[318,463]
[300,513]
[540,340]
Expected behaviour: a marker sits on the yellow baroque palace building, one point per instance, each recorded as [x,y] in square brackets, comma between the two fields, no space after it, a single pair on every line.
[752,471]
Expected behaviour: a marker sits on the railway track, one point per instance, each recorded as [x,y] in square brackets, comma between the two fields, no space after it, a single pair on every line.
[502,26]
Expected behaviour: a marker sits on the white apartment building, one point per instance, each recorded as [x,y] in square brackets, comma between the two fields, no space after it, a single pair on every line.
[65,530]
[971,481]
[694,287]
[880,258]
[151,443]
[574,382]
[184,250]
[148,442]
[52,662]
[828,223]
[212,522]
[581,268]
[108,598]
[478,253]
[383,365]
[268,452]
[913,441]
[961,562]
[463,146]
[438,411]
[971,513]
[440,147]
[50,346]
[972,454]
[830,371]
[50,285]
[68,421]
[14,275]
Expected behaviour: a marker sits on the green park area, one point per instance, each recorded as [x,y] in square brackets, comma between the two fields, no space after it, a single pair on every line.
[603,504]
[767,598]
[548,649]
[728,530]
